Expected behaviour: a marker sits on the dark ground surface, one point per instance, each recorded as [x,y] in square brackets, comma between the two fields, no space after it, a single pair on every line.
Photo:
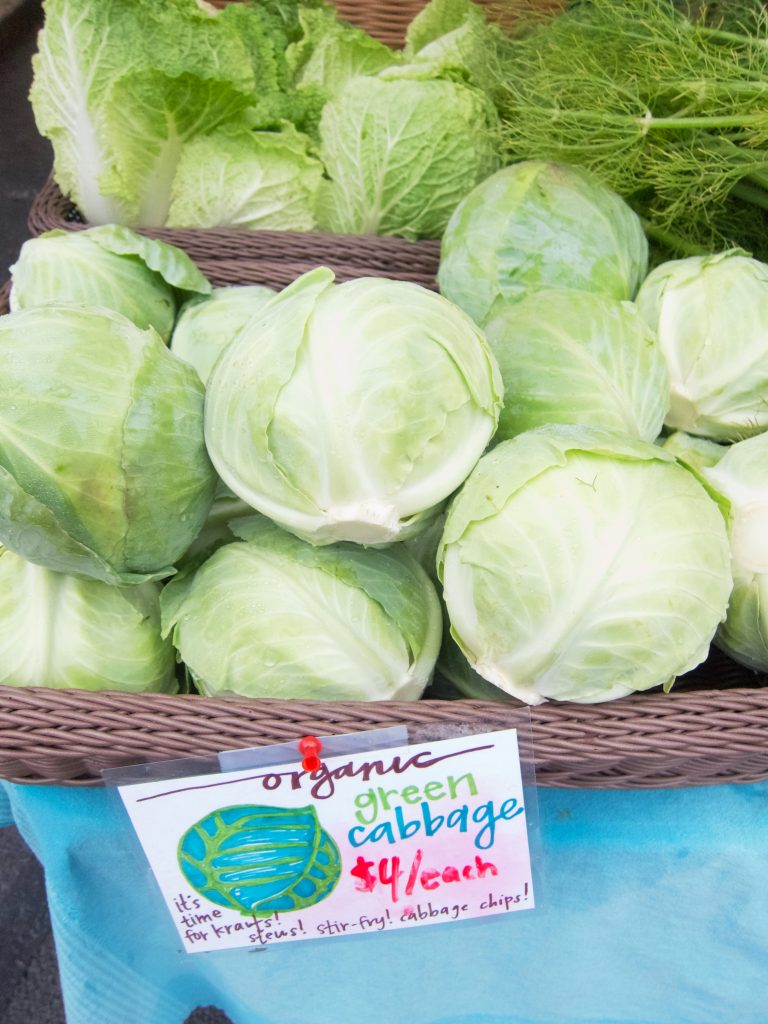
[29,981]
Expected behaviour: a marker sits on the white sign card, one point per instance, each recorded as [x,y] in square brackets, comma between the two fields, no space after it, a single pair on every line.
[416,834]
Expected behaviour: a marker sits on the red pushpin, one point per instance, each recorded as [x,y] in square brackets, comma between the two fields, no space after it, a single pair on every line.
[310,747]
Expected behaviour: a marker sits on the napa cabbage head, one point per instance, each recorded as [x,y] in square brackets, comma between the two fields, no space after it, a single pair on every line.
[352,411]
[120,88]
[569,356]
[70,632]
[580,564]
[110,266]
[538,225]
[711,317]
[737,477]
[273,616]
[401,150]
[103,467]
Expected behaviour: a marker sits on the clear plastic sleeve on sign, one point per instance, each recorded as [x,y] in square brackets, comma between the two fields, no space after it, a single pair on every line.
[340,836]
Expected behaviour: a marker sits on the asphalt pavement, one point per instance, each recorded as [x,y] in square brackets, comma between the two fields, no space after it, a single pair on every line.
[29,980]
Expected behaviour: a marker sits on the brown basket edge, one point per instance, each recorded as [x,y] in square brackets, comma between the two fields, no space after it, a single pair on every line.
[383,254]
[651,740]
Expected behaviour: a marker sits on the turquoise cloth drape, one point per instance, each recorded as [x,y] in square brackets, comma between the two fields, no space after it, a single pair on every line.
[653,909]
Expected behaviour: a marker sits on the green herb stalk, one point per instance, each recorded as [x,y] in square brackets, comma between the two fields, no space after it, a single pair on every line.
[668,106]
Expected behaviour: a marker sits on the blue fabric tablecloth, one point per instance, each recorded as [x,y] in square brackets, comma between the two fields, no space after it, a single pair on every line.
[653,909]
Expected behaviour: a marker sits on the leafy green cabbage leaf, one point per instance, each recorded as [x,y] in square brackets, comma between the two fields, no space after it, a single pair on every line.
[330,52]
[402,152]
[108,266]
[246,179]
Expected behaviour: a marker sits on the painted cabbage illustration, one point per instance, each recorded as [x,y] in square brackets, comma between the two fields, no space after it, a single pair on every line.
[260,860]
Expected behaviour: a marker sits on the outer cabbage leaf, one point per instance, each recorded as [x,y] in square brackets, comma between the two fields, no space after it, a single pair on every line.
[578,564]
[330,52]
[697,453]
[350,412]
[206,326]
[459,679]
[103,468]
[438,19]
[246,179]
[711,317]
[63,631]
[216,530]
[108,266]
[568,356]
[540,225]
[455,34]
[276,617]
[402,153]
[737,476]
[150,116]
[169,261]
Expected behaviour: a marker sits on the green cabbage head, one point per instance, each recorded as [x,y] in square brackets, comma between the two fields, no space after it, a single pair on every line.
[580,564]
[273,616]
[103,468]
[207,324]
[711,317]
[737,476]
[568,356]
[110,266]
[352,411]
[539,225]
[71,632]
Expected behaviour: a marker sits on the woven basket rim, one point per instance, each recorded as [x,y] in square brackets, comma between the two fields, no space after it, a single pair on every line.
[681,738]
[51,210]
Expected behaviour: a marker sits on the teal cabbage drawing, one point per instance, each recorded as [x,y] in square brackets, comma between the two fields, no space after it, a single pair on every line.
[260,860]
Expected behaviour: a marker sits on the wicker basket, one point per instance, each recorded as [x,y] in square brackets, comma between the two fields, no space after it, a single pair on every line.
[349,255]
[715,734]
[712,727]
[388,20]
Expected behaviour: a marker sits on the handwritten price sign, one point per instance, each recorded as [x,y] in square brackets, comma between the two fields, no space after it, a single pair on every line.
[413,835]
